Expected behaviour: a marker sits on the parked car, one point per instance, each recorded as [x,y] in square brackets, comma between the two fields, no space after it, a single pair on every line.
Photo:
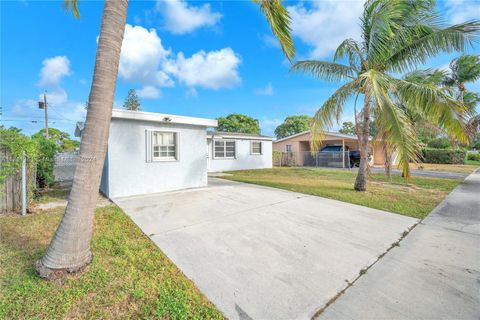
[354,155]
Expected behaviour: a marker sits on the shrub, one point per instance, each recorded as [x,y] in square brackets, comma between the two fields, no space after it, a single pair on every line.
[439,143]
[48,149]
[448,156]
[473,156]
[15,144]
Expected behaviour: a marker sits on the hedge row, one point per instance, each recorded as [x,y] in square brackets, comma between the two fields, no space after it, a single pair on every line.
[449,156]
[473,156]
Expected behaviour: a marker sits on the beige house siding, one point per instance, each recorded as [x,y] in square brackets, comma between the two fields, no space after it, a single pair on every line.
[301,144]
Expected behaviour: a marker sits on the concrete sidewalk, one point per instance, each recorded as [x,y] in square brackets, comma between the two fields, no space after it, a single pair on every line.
[434,274]
[426,173]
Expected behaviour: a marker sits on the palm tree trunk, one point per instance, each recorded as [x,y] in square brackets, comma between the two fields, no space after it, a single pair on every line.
[69,250]
[361,180]
[388,162]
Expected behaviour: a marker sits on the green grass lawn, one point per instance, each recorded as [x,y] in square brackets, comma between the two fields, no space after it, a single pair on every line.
[415,199]
[128,278]
[459,168]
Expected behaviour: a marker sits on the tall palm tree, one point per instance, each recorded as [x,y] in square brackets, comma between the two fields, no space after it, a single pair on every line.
[69,250]
[397,35]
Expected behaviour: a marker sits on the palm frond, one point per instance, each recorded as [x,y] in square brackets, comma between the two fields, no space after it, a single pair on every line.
[328,71]
[428,76]
[280,21]
[413,46]
[435,105]
[331,110]
[473,125]
[350,49]
[465,68]
[395,128]
[72,5]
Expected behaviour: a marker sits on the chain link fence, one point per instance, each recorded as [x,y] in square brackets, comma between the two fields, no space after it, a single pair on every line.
[64,166]
[331,159]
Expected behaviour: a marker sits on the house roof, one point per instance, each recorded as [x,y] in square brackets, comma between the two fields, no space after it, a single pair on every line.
[162,118]
[237,135]
[335,134]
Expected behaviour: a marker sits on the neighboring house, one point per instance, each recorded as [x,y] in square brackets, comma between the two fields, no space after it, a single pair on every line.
[299,146]
[228,151]
[151,152]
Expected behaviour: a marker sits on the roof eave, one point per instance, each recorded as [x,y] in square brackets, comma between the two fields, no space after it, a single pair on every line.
[162,118]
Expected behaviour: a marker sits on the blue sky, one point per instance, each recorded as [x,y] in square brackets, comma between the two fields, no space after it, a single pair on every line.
[194,58]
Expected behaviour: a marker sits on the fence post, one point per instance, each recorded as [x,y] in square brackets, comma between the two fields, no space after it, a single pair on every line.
[24,184]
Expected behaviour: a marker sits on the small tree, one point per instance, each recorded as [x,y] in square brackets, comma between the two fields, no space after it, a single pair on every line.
[60,138]
[293,125]
[131,101]
[48,148]
[238,123]
[348,128]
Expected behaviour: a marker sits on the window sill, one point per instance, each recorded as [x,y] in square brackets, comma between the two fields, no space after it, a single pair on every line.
[165,160]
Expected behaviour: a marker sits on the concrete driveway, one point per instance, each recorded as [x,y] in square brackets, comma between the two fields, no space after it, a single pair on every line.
[265,253]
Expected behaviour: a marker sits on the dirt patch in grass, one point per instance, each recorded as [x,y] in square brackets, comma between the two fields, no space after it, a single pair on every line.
[128,278]
[415,198]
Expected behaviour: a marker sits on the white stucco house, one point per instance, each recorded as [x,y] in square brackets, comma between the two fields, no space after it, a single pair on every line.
[229,151]
[152,152]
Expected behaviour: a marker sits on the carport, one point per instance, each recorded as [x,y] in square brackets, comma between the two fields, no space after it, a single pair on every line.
[265,253]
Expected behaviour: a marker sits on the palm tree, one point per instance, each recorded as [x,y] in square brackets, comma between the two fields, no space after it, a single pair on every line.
[415,117]
[463,69]
[69,250]
[397,35]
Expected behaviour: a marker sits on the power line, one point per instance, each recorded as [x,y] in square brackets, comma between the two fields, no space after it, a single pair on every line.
[53,108]
[36,121]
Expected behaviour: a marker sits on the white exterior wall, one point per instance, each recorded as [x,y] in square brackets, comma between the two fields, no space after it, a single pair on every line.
[244,160]
[128,172]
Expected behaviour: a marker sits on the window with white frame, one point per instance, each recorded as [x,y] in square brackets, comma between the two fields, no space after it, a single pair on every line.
[288,148]
[164,145]
[224,149]
[256,147]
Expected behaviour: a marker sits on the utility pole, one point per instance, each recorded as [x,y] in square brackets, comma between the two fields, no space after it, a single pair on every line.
[46,113]
[44,105]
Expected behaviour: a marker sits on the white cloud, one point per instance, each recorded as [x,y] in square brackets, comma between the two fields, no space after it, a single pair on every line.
[56,97]
[142,55]
[265,91]
[54,69]
[62,113]
[148,92]
[212,70]
[144,60]
[181,18]
[325,24]
[459,11]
